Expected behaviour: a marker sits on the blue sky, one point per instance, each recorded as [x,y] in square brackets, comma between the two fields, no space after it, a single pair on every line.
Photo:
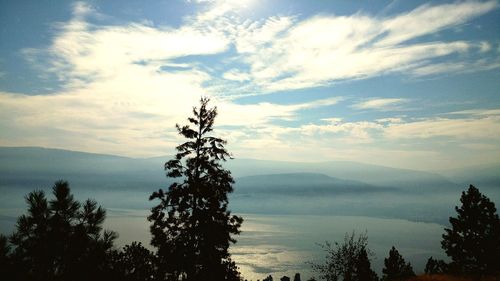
[398,83]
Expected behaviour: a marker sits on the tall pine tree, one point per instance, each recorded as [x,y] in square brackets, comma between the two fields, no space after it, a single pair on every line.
[362,269]
[473,241]
[192,226]
[395,267]
[61,239]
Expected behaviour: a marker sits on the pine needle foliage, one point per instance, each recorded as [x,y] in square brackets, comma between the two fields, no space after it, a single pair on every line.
[192,226]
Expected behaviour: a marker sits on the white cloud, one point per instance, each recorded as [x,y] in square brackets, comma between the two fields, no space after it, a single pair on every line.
[477,112]
[236,75]
[484,47]
[428,19]
[380,104]
[261,113]
[455,67]
[284,53]
[425,143]
[81,9]
[120,95]
[464,128]
[390,120]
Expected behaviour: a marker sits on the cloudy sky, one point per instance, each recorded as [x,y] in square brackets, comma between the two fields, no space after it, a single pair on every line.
[398,83]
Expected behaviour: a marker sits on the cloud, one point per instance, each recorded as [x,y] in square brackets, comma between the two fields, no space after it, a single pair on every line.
[484,47]
[284,53]
[428,19]
[261,113]
[464,128]
[477,112]
[123,87]
[482,125]
[455,67]
[429,142]
[380,104]
[236,75]
[81,9]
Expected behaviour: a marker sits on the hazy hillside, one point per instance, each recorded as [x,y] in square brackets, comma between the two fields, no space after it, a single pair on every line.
[28,166]
[487,176]
[409,180]
[271,187]
[32,167]
[303,184]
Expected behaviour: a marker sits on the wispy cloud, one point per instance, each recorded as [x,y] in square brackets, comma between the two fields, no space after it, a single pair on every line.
[123,87]
[477,112]
[380,104]
[485,128]
[284,53]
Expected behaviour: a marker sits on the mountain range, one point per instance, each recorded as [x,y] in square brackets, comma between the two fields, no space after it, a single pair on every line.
[261,186]
[28,166]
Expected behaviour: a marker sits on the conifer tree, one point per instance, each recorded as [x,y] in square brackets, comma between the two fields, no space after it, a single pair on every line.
[362,268]
[395,267]
[6,265]
[268,278]
[134,263]
[473,241]
[434,266]
[61,239]
[192,226]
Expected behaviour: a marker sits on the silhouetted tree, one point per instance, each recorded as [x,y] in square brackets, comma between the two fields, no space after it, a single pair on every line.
[191,226]
[362,269]
[134,263]
[296,277]
[268,278]
[6,265]
[285,278]
[61,239]
[347,261]
[435,266]
[396,267]
[473,241]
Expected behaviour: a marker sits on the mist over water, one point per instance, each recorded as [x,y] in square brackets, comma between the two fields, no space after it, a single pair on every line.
[287,207]
[280,233]
[284,244]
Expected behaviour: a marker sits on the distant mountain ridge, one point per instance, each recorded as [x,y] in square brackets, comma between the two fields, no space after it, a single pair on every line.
[35,165]
[409,180]
[312,184]
[480,175]
[267,187]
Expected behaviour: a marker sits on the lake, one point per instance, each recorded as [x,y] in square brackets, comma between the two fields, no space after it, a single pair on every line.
[283,244]
[278,244]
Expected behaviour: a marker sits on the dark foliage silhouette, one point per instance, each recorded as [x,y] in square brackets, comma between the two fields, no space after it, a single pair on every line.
[192,226]
[435,266]
[134,263]
[296,277]
[6,265]
[347,261]
[473,241]
[61,239]
[285,278]
[268,278]
[362,268]
[395,267]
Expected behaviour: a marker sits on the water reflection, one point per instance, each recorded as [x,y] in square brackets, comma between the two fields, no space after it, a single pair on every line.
[283,244]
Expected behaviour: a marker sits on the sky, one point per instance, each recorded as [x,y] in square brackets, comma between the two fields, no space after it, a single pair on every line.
[407,84]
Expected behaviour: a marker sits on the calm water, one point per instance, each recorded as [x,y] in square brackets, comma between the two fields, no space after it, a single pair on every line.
[269,244]
[282,245]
